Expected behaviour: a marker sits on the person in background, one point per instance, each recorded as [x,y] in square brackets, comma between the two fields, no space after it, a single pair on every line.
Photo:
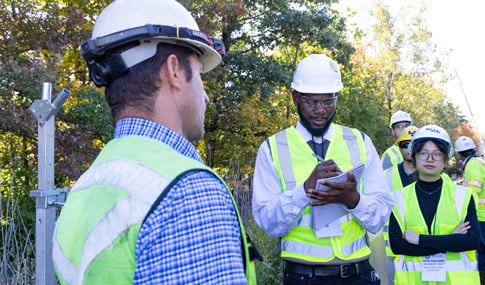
[392,155]
[398,177]
[433,229]
[474,178]
[288,165]
[148,211]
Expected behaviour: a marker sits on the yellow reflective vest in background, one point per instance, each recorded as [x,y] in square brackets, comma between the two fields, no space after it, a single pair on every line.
[391,156]
[475,179]
[394,180]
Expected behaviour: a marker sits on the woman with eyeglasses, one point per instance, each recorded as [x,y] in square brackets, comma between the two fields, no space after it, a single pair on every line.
[433,228]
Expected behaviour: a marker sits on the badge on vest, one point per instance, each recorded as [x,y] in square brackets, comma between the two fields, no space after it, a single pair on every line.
[434,268]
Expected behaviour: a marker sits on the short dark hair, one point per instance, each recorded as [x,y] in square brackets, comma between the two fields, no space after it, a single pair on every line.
[138,86]
[467,153]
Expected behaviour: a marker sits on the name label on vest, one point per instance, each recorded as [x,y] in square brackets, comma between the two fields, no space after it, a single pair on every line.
[434,268]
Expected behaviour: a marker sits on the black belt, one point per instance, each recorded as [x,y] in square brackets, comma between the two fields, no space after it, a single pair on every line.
[342,270]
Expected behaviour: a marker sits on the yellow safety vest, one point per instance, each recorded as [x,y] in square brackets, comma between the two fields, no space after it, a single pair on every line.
[101,248]
[294,162]
[475,179]
[393,153]
[394,180]
[461,267]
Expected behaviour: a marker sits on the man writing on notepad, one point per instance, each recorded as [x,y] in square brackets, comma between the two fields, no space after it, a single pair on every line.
[288,165]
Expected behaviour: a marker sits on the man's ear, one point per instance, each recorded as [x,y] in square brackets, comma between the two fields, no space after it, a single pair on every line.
[295,97]
[173,73]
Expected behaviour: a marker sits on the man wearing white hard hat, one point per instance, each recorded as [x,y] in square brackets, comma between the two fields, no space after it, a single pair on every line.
[148,211]
[288,165]
[392,155]
[474,177]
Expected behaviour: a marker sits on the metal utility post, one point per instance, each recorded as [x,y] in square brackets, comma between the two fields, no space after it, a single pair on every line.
[47,197]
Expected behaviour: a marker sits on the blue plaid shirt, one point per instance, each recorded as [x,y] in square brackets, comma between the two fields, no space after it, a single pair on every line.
[192,236]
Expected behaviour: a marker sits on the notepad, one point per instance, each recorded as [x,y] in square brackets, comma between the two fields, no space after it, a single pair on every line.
[324,215]
[342,177]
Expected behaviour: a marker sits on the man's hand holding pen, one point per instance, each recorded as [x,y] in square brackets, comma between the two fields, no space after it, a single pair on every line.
[345,193]
[325,169]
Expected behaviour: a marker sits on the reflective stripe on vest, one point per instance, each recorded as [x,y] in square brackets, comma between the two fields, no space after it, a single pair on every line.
[459,266]
[451,265]
[396,156]
[393,179]
[139,201]
[474,175]
[323,251]
[294,161]
[285,160]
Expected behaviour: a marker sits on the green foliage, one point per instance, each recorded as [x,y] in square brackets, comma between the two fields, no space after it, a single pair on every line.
[269,271]
[402,70]
[17,209]
[357,104]
[250,98]
[90,112]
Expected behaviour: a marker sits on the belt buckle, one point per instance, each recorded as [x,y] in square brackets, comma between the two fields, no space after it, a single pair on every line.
[345,268]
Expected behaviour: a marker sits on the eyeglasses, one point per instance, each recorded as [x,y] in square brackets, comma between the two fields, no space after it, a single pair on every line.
[313,103]
[404,145]
[400,126]
[436,155]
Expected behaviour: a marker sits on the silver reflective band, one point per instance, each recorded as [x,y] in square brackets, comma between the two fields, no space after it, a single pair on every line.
[450,265]
[117,220]
[321,251]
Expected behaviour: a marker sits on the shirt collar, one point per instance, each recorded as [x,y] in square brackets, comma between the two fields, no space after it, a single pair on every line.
[307,136]
[467,159]
[150,129]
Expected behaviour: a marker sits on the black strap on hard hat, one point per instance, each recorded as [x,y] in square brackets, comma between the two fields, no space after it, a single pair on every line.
[97,47]
[105,69]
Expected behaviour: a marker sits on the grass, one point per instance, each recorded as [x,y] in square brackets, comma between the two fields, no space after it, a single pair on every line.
[17,260]
[270,270]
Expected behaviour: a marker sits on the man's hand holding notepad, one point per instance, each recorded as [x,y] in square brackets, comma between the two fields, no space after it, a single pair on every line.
[327,214]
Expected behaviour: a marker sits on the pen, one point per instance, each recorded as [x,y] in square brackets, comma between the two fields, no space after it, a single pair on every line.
[319,158]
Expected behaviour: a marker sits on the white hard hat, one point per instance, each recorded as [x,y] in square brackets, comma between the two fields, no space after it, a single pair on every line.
[317,74]
[400,116]
[147,22]
[464,143]
[434,133]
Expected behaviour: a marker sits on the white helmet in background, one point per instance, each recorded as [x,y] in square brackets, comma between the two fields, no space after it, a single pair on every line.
[434,133]
[464,143]
[142,24]
[400,116]
[317,74]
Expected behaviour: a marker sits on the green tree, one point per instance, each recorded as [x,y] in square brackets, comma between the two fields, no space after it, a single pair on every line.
[39,42]
[408,71]
[265,40]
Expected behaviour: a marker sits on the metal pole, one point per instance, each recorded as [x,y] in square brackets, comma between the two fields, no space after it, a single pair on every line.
[464,95]
[47,197]
[45,216]
[475,124]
